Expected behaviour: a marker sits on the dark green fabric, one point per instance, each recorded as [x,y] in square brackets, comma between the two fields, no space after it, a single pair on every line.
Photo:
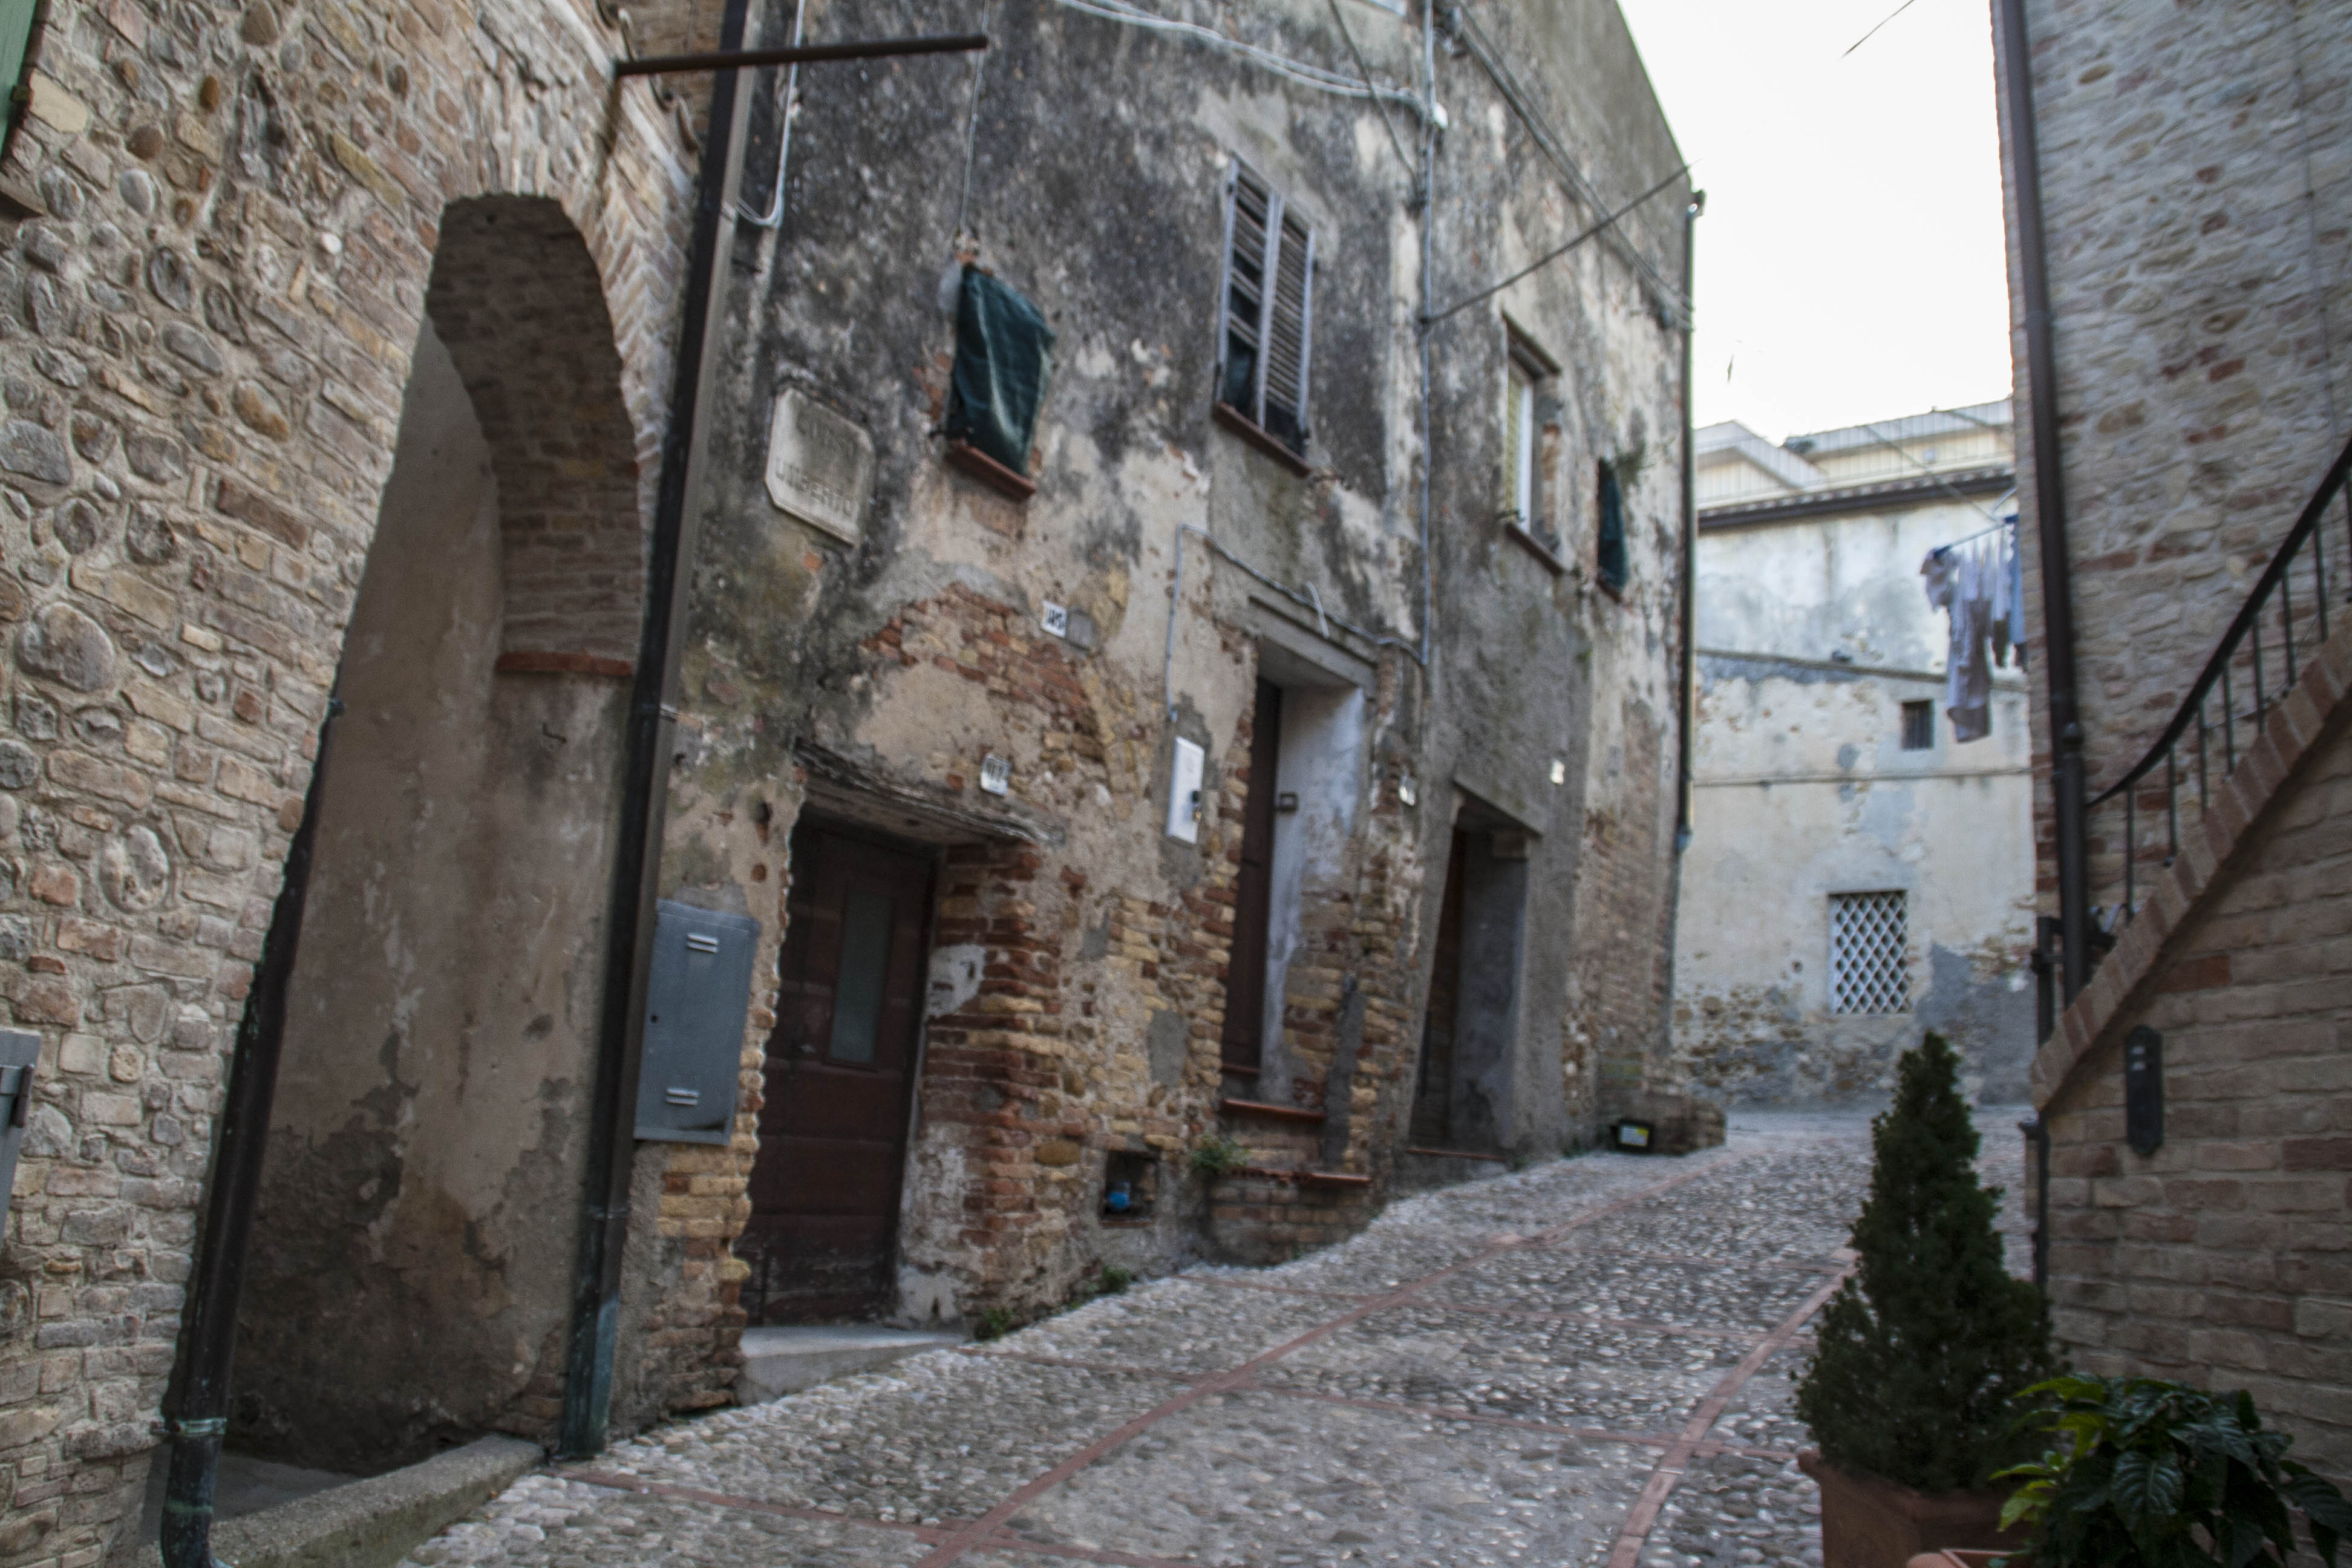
[16,32]
[1611,555]
[1005,351]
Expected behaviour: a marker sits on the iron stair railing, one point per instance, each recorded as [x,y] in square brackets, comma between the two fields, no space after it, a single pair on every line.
[2223,715]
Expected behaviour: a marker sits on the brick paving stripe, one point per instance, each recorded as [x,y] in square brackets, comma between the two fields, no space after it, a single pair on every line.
[1590,1363]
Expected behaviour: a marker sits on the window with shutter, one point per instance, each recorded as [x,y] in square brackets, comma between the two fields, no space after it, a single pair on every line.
[1610,551]
[1266,338]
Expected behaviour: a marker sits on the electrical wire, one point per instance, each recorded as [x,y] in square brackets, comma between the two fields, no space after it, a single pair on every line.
[787,111]
[1550,256]
[971,133]
[1366,72]
[1313,76]
[1880,436]
[1668,298]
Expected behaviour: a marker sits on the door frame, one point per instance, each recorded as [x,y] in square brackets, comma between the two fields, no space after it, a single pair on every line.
[816,819]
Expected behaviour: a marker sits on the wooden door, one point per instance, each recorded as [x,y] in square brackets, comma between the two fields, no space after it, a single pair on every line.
[822,1239]
[1432,1099]
[1244,1031]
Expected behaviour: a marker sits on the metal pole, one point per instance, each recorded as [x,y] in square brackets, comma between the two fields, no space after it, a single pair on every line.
[800,54]
[628,948]
[1689,606]
[2016,72]
[199,1417]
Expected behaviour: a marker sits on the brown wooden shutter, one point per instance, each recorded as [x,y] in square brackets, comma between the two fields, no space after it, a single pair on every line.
[1284,414]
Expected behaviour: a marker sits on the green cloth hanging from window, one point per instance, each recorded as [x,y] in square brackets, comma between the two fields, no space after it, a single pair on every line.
[1611,556]
[15,35]
[1005,351]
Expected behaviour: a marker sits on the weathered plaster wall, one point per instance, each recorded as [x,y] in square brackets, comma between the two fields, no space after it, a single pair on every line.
[1805,790]
[412,1266]
[916,652]
[204,336]
[1814,632]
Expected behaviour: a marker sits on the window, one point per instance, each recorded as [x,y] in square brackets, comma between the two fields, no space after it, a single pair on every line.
[1005,353]
[1870,953]
[1268,312]
[1519,442]
[1609,558]
[1918,726]
[16,41]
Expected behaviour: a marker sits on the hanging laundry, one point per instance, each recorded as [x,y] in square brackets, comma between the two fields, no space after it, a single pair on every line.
[1962,583]
[2016,586]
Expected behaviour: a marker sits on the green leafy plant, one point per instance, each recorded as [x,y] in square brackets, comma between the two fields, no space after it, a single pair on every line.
[2154,1475]
[1923,1353]
[1218,1155]
[1113,1280]
[995,1323]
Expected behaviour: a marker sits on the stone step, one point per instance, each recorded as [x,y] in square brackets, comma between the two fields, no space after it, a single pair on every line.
[781,1361]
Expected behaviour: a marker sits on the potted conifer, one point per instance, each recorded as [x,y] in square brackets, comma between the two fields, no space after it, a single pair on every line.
[1912,1393]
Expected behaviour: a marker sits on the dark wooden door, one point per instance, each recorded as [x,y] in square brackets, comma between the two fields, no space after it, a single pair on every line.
[841,1063]
[1244,1031]
[1432,1099]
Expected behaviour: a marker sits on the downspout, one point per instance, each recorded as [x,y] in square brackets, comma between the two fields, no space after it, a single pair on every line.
[653,715]
[199,1418]
[2016,72]
[1689,606]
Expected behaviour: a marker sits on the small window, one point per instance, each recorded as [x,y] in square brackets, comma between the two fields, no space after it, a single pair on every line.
[1918,726]
[1004,351]
[1609,557]
[1268,310]
[1870,953]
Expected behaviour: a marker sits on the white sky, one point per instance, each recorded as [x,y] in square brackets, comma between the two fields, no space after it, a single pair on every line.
[1850,261]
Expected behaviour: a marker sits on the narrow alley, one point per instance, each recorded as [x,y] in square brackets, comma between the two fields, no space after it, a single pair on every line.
[1590,1362]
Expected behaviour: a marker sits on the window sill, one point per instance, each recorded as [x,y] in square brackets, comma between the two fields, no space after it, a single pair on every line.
[1525,538]
[1248,429]
[966,458]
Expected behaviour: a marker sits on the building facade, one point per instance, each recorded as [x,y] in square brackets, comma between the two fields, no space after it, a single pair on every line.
[361,407]
[1399,609]
[2179,211]
[1857,871]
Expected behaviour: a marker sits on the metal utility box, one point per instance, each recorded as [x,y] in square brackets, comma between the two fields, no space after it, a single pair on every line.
[20,1052]
[696,999]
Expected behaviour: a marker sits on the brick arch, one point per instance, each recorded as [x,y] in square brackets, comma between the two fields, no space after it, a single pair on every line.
[517,299]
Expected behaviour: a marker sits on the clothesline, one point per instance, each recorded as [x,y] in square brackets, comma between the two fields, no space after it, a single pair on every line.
[1998,524]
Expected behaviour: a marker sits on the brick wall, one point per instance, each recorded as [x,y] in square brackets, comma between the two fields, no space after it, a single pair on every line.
[2201,297]
[2224,1258]
[203,337]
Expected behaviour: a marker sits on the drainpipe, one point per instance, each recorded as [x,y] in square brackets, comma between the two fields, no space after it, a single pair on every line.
[199,1417]
[1690,533]
[2068,795]
[653,716]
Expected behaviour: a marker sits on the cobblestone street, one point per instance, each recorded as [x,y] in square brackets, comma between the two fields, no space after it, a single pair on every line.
[1588,1362]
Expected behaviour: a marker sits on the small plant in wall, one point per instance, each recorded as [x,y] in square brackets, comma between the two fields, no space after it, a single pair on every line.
[1912,1392]
[2154,1475]
[1218,1155]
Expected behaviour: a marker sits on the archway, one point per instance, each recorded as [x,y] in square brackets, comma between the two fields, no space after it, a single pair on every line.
[413,1252]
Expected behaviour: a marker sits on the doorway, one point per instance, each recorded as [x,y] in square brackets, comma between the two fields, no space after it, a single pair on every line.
[822,1241]
[1461,1097]
[1244,1037]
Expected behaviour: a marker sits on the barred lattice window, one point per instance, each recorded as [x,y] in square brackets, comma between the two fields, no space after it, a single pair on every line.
[1870,945]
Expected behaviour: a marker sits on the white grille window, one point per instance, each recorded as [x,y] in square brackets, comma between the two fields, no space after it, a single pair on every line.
[1870,945]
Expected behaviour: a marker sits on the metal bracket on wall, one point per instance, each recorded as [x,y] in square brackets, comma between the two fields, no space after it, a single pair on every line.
[20,1051]
[2144,1090]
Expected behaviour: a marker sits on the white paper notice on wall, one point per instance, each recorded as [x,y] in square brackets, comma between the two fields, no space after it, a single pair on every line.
[1184,792]
[820,466]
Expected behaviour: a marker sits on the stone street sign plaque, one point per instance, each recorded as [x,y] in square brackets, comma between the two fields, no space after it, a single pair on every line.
[820,466]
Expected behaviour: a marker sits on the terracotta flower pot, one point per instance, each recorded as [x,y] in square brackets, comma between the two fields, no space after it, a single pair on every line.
[1867,1522]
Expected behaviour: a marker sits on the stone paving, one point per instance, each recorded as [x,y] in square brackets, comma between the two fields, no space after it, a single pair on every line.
[1590,1362]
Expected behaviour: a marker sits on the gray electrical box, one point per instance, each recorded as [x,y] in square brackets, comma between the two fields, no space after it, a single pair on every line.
[696,999]
[20,1051]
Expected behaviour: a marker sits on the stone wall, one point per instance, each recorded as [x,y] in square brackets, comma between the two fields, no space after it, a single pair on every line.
[204,335]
